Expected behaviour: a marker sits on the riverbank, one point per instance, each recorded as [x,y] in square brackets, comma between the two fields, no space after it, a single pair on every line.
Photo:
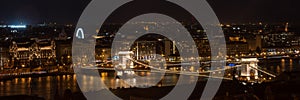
[11,77]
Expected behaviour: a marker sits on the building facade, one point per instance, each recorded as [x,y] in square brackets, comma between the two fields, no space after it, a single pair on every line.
[32,53]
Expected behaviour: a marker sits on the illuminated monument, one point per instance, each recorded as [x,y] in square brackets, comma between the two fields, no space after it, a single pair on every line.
[248,69]
[123,62]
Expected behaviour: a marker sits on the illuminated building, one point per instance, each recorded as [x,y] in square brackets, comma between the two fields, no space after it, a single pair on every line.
[145,50]
[237,46]
[255,43]
[63,48]
[278,42]
[248,69]
[4,56]
[64,51]
[13,26]
[167,48]
[32,53]
[102,53]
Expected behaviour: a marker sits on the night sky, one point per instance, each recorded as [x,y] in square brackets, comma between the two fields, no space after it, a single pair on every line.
[228,11]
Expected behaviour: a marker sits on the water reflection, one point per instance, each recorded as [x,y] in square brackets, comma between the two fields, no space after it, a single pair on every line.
[279,66]
[291,65]
[112,82]
[41,86]
[282,66]
[278,69]
[47,86]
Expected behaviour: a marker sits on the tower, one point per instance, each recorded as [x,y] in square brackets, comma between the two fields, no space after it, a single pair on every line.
[286,29]
[249,66]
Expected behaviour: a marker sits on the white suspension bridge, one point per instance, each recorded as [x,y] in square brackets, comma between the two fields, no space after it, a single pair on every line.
[249,64]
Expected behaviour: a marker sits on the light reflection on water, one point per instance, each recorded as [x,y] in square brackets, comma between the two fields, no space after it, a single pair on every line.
[114,83]
[279,66]
[46,86]
[41,86]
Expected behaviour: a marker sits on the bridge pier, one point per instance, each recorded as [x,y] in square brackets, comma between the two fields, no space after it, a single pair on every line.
[122,62]
[248,69]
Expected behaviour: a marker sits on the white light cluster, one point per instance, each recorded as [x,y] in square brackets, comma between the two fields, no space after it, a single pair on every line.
[13,26]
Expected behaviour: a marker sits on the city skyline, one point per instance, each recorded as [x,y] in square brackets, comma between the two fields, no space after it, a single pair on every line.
[150,49]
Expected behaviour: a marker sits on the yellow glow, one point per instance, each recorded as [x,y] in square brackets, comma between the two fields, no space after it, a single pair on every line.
[23,49]
[46,48]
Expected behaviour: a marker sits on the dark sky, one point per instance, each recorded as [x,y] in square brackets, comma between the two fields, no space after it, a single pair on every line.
[228,11]
[37,11]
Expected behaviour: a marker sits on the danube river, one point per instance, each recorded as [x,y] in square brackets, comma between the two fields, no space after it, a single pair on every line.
[49,86]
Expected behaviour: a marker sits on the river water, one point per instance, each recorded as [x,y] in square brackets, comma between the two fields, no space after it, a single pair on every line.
[48,86]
